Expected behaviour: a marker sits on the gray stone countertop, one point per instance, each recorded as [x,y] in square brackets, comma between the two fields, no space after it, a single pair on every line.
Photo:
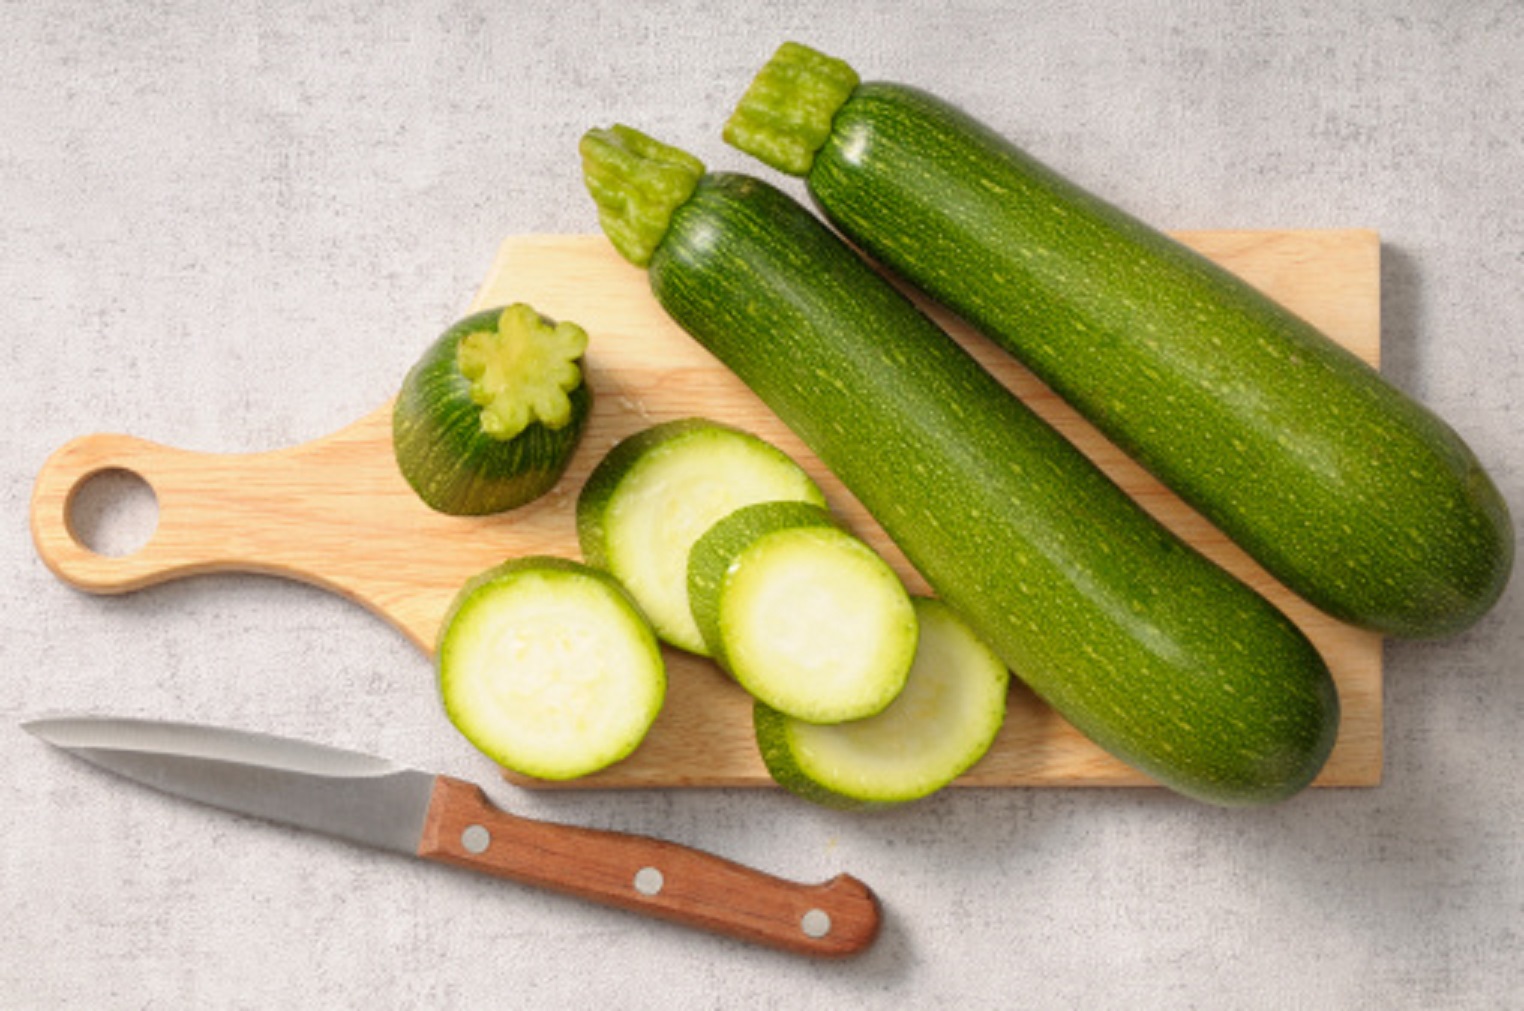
[233,227]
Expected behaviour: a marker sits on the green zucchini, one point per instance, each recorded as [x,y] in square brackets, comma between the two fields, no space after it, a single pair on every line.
[657,491]
[1348,491]
[548,667]
[489,417]
[1147,647]
[943,722]
[804,615]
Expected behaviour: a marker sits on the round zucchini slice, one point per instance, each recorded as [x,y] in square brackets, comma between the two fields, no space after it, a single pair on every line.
[803,614]
[943,722]
[549,668]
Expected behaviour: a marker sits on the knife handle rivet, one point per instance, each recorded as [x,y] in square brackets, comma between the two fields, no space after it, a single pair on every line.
[649,881]
[815,923]
[476,839]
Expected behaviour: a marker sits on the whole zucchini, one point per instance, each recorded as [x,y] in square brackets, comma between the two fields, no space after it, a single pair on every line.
[1144,645]
[1348,491]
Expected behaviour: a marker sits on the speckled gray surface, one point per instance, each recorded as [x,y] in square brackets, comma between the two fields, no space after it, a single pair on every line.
[231,227]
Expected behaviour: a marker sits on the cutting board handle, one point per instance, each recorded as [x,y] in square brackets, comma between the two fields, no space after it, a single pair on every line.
[287,512]
[186,486]
[334,512]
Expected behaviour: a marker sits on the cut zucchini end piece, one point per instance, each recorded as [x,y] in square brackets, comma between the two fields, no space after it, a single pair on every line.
[816,625]
[941,724]
[440,432]
[637,182]
[785,115]
[547,667]
[652,497]
[522,371]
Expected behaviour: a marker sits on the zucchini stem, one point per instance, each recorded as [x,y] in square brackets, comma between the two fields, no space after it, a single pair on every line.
[637,182]
[785,116]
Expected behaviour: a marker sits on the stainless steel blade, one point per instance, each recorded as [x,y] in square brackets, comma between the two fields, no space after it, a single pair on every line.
[341,793]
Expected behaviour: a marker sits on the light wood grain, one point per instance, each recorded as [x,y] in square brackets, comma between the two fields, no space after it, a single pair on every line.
[336,512]
[653,877]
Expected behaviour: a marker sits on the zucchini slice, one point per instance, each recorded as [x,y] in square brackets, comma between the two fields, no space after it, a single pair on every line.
[804,615]
[943,722]
[549,668]
[658,490]
[489,417]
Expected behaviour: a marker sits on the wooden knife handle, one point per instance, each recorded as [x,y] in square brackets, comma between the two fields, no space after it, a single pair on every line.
[837,918]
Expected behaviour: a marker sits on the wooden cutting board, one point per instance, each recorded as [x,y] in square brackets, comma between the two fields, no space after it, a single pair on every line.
[336,512]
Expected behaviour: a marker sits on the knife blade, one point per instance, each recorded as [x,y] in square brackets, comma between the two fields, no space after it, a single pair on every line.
[374,802]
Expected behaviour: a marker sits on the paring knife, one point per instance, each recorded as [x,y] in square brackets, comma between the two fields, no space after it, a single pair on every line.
[374,802]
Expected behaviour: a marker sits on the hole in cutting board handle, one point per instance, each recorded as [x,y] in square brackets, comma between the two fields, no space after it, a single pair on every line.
[113,512]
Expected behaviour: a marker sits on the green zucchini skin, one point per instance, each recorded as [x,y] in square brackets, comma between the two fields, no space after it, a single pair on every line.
[1144,645]
[444,455]
[1348,491]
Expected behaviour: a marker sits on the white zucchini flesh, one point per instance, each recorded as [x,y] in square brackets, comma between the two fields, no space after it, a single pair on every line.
[940,725]
[816,625]
[551,671]
[666,497]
